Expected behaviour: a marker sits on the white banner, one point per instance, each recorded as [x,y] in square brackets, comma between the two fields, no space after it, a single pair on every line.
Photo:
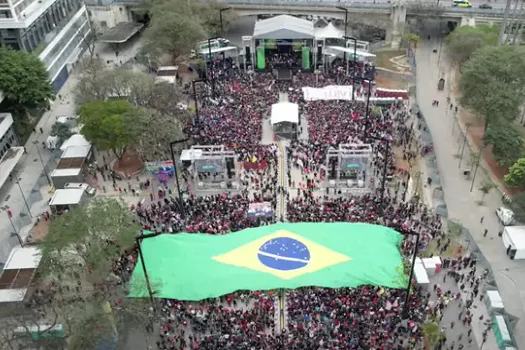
[331,92]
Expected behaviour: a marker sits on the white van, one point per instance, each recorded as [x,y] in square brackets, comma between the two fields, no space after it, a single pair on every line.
[88,189]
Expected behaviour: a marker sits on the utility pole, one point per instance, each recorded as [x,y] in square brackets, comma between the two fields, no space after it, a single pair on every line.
[43,165]
[504,23]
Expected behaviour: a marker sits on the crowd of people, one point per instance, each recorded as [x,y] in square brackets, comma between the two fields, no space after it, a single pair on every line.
[367,317]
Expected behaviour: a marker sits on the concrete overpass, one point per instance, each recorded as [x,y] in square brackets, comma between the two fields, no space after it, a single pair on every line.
[388,16]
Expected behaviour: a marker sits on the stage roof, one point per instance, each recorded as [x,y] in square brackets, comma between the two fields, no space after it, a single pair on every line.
[285,112]
[329,32]
[284,27]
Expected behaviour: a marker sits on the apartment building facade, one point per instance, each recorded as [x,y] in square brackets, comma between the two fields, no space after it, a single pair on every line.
[57,31]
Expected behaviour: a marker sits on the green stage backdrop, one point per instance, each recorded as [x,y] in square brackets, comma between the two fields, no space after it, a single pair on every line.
[199,266]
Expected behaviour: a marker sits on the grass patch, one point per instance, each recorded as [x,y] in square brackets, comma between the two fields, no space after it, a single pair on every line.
[383,59]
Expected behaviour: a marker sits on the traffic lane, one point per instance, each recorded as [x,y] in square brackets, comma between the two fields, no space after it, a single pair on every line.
[460,201]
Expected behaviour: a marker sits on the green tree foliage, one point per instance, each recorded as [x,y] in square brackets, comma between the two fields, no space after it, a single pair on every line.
[62,131]
[111,125]
[493,83]
[208,12]
[25,85]
[78,254]
[464,41]
[413,39]
[162,119]
[485,188]
[507,143]
[517,204]
[516,175]
[174,29]
[432,332]
[78,243]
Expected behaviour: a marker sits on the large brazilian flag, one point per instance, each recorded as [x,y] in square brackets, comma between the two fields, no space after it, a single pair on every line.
[199,266]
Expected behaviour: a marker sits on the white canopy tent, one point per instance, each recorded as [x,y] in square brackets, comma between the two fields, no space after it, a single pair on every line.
[284,27]
[328,32]
[75,140]
[360,54]
[285,112]
[219,50]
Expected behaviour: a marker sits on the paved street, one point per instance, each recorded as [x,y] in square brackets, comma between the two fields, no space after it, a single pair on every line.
[461,202]
[30,169]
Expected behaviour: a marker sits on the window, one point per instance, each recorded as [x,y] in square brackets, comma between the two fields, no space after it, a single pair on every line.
[5,14]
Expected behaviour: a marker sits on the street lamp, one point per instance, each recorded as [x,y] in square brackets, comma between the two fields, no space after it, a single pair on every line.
[10,217]
[404,313]
[176,174]
[385,170]
[355,64]
[346,25]
[16,180]
[139,240]
[211,66]
[42,161]
[220,18]
[193,82]
[367,112]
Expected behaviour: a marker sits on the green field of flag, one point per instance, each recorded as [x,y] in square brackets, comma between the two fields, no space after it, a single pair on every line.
[199,266]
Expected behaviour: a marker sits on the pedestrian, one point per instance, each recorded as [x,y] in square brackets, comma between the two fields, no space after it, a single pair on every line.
[485,232]
[482,218]
[41,130]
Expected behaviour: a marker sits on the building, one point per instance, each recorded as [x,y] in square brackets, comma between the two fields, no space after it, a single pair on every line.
[8,137]
[55,30]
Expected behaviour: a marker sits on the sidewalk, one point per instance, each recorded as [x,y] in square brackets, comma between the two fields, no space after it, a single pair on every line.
[462,204]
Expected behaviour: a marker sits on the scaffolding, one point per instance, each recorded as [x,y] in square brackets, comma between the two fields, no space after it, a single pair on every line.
[214,168]
[349,168]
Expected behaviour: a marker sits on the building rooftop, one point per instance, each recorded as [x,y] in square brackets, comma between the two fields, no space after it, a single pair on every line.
[6,120]
[66,172]
[8,163]
[76,152]
[69,163]
[68,196]
[18,273]
[121,33]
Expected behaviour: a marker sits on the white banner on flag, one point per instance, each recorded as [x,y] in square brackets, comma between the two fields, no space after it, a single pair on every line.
[331,92]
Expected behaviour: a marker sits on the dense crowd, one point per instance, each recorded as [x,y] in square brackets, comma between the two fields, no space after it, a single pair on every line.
[317,318]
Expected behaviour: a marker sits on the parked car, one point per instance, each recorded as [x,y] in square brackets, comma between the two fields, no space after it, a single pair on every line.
[505,216]
[88,189]
[485,7]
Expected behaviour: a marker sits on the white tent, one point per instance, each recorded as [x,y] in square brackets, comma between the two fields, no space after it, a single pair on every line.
[283,27]
[350,50]
[219,49]
[75,140]
[285,112]
[328,32]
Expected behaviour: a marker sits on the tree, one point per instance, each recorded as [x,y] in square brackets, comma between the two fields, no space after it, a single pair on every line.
[516,175]
[78,254]
[413,39]
[161,119]
[473,159]
[507,143]
[464,41]
[111,125]
[174,29]
[493,83]
[25,85]
[485,188]
[432,332]
[209,14]
[517,205]
[61,131]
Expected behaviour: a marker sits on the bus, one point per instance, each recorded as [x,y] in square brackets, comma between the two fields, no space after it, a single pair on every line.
[462,3]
